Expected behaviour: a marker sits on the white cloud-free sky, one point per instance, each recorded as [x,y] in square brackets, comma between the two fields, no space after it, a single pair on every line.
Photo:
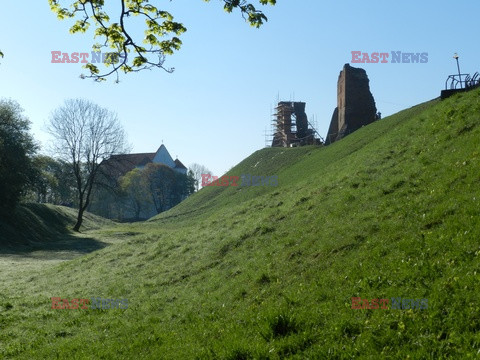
[214,109]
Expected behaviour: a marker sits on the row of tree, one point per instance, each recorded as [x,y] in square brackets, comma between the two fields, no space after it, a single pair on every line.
[141,193]
[54,182]
[156,186]
[17,149]
[85,134]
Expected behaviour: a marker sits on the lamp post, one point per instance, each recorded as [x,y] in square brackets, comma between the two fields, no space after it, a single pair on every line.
[455,56]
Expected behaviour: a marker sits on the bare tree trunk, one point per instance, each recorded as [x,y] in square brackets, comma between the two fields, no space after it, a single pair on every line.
[79,220]
[138,209]
[81,209]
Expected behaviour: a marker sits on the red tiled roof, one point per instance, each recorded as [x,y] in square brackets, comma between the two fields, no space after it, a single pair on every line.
[119,165]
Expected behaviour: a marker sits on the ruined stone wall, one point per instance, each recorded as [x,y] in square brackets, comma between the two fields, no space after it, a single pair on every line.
[301,119]
[355,104]
[283,135]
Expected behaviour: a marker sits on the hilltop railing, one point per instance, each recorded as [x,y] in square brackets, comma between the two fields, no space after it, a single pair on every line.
[472,81]
[462,81]
[455,81]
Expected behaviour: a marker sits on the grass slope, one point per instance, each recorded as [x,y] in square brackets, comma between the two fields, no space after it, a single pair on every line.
[269,272]
[37,224]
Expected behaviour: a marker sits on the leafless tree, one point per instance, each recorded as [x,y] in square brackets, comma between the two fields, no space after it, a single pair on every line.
[85,134]
[197,171]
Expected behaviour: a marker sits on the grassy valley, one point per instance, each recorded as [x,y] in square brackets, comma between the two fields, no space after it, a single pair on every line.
[392,210]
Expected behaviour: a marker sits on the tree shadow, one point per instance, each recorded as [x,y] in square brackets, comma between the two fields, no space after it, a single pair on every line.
[44,231]
[62,247]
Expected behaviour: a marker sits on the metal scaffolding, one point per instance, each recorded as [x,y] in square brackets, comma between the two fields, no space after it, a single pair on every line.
[291,126]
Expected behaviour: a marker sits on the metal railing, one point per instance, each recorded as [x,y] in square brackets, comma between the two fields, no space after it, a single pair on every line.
[462,81]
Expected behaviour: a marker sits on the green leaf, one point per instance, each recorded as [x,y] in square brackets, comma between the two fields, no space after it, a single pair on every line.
[161,31]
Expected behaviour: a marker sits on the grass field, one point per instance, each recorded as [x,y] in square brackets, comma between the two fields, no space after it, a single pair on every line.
[391,211]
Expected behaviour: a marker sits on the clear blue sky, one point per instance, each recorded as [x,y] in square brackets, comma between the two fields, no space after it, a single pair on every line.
[216,106]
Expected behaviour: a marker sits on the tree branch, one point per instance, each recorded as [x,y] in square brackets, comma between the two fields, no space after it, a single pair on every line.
[161,34]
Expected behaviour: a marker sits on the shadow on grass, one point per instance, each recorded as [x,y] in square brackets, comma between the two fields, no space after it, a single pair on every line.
[44,231]
[64,246]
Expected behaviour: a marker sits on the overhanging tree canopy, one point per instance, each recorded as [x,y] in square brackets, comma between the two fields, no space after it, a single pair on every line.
[128,53]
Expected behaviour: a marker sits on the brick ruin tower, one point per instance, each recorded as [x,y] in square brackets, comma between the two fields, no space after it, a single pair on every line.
[292,127]
[355,104]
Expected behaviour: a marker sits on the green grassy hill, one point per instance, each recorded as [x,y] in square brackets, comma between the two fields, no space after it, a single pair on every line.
[35,225]
[391,211]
